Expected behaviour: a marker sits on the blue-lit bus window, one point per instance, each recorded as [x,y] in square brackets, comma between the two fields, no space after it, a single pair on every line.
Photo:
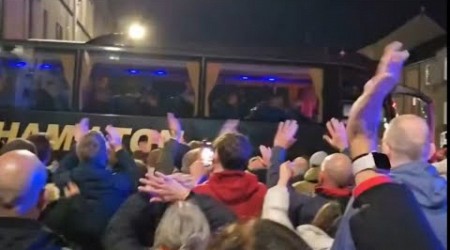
[260,92]
[41,82]
[132,85]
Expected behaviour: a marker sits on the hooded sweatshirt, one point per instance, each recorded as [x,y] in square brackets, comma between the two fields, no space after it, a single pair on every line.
[238,190]
[430,191]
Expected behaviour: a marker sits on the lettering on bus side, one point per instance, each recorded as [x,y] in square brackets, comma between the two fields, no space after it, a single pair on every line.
[62,135]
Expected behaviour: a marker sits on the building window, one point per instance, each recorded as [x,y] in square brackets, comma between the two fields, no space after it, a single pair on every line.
[45,25]
[59,32]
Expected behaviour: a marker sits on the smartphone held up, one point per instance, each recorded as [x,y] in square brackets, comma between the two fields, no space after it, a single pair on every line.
[207,153]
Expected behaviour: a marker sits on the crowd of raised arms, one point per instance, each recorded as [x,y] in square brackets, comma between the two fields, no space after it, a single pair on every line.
[174,198]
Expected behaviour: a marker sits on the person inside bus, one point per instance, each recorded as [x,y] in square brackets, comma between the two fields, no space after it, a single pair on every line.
[6,89]
[150,104]
[227,108]
[183,105]
[272,110]
[50,96]
[101,96]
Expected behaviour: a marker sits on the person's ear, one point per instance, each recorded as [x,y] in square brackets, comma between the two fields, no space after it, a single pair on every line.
[321,177]
[385,149]
[431,151]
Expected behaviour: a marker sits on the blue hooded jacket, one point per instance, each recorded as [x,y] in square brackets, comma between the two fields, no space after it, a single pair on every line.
[430,191]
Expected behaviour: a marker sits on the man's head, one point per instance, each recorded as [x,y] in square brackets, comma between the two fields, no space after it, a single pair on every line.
[92,149]
[18,144]
[276,101]
[232,152]
[336,171]
[153,157]
[143,144]
[189,158]
[257,234]
[407,139]
[300,165]
[151,98]
[22,181]
[233,99]
[43,147]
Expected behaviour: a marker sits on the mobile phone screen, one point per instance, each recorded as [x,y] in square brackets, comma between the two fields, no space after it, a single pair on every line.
[207,154]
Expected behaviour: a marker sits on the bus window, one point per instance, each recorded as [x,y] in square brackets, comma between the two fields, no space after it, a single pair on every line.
[262,92]
[132,85]
[35,80]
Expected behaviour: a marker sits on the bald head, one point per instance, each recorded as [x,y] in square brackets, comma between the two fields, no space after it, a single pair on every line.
[301,165]
[22,180]
[407,137]
[337,170]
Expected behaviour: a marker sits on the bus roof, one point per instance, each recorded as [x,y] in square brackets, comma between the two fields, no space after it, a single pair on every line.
[298,55]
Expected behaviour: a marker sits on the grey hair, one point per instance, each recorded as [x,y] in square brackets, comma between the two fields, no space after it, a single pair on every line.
[183,227]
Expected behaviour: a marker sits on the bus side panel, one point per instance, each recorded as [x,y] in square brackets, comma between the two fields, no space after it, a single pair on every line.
[60,125]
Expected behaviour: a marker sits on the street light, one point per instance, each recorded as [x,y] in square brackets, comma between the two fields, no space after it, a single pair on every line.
[137,31]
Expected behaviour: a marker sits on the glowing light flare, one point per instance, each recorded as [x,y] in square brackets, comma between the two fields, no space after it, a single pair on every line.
[133,71]
[160,73]
[137,31]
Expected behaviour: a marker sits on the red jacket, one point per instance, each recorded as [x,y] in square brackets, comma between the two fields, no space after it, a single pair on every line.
[238,190]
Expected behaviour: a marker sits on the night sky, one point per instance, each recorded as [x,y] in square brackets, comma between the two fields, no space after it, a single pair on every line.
[336,24]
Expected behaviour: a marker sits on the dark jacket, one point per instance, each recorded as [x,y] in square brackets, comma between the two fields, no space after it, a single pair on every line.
[171,157]
[26,234]
[83,219]
[323,196]
[384,216]
[134,225]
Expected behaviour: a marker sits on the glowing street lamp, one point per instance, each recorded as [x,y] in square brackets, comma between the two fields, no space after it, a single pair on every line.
[137,31]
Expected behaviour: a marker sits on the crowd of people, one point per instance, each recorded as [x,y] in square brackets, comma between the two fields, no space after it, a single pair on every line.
[99,196]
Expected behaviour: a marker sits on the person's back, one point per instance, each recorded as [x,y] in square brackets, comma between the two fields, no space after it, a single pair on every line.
[22,177]
[408,144]
[102,191]
[238,190]
[229,183]
[430,190]
[335,178]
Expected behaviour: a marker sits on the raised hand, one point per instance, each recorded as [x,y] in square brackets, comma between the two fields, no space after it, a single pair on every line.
[337,135]
[389,69]
[285,136]
[71,190]
[230,126]
[81,129]
[163,188]
[286,173]
[266,154]
[174,126]
[114,138]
